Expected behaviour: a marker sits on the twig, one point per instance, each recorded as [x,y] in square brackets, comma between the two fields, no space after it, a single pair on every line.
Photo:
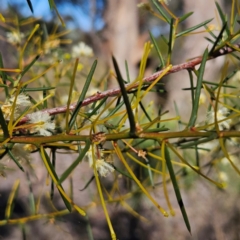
[114,92]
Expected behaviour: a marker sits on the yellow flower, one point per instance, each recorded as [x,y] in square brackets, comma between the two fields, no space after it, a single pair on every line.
[102,166]
[222,114]
[14,37]
[22,102]
[42,123]
[82,50]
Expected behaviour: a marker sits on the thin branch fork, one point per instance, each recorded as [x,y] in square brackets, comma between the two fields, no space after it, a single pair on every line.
[114,92]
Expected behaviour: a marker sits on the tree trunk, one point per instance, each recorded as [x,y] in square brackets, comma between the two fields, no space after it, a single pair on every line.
[192,46]
[122,35]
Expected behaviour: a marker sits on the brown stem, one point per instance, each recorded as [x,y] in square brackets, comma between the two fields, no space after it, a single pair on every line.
[114,92]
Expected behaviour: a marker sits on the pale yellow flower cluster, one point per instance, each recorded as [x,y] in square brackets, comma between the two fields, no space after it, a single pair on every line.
[103,168]
[15,37]
[221,115]
[41,121]
[82,49]
[22,102]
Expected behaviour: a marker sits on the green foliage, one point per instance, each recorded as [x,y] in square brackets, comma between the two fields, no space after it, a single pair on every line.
[114,123]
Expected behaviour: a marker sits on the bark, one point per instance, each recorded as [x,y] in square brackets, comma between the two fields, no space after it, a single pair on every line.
[192,46]
[122,35]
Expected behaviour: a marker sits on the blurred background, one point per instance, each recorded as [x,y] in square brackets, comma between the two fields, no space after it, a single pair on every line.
[121,28]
